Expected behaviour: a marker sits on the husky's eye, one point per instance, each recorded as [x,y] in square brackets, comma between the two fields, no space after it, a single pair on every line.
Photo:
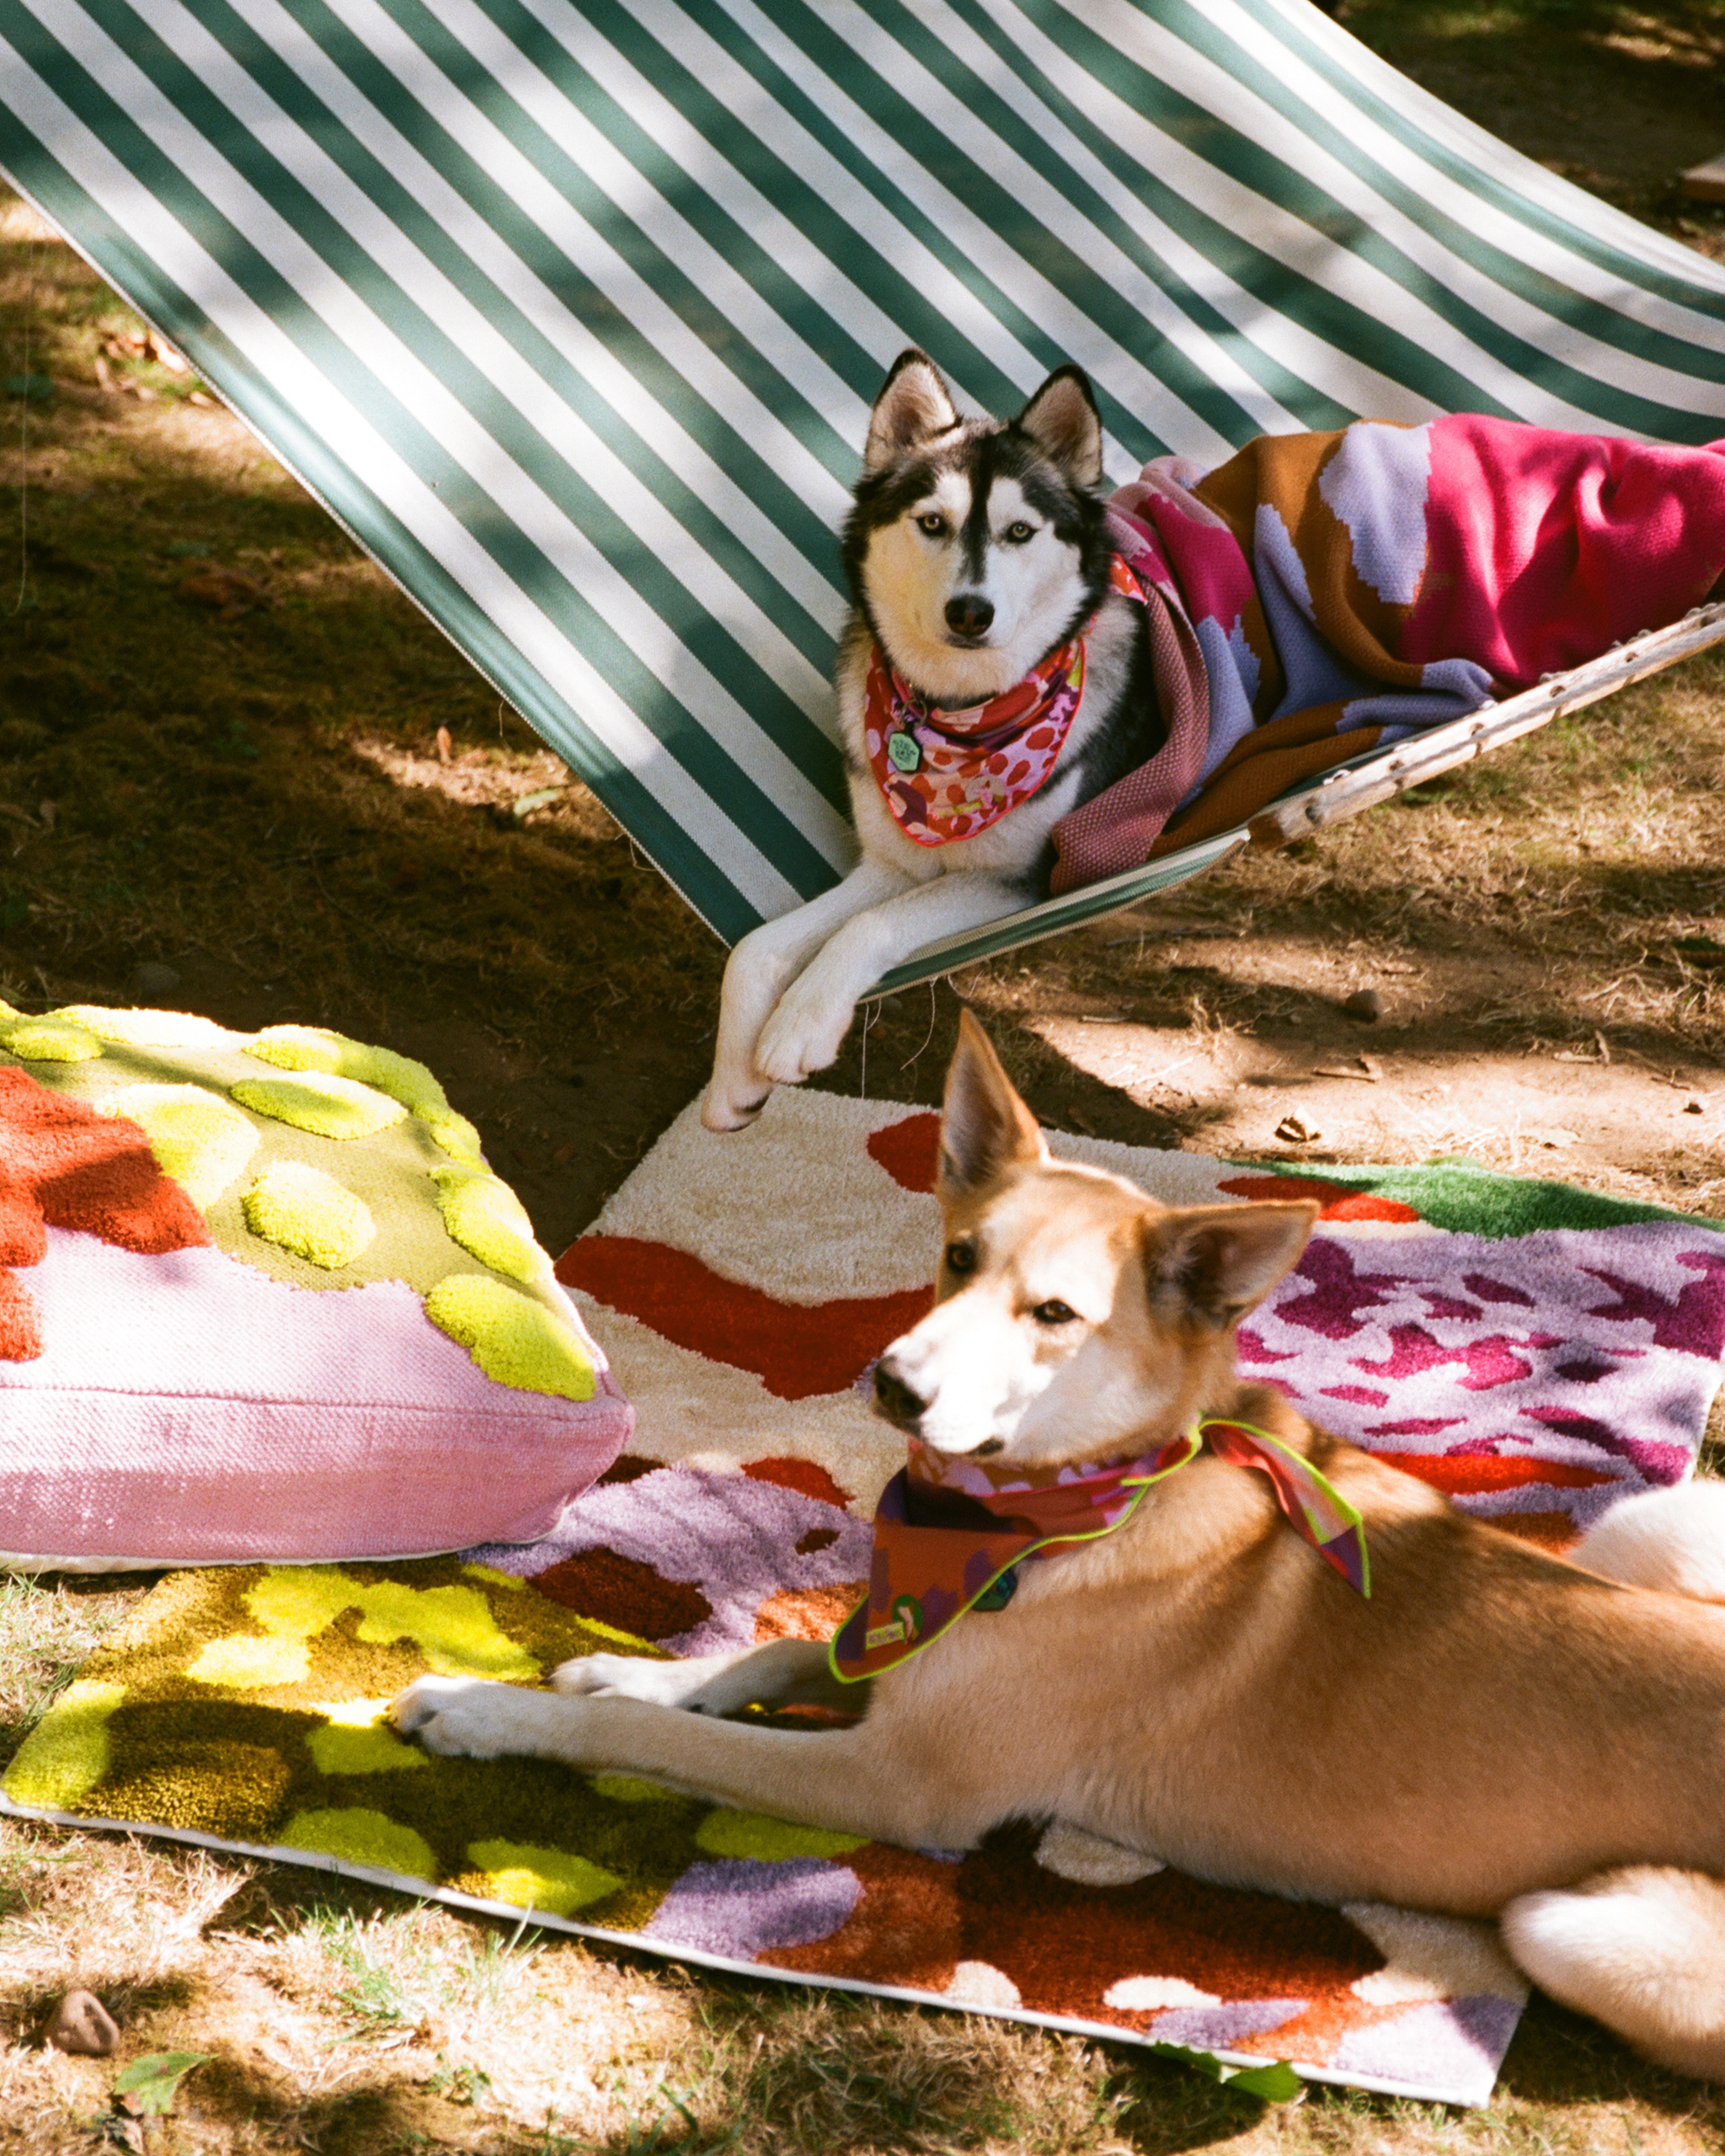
[933,523]
[961,1258]
[1053,1313]
[1017,533]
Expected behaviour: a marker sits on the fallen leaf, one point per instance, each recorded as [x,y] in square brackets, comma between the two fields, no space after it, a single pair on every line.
[1293,1132]
[542,797]
[148,2087]
[1343,1070]
[445,746]
[201,397]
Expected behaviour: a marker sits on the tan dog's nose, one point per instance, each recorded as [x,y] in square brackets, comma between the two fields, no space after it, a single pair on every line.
[894,1398]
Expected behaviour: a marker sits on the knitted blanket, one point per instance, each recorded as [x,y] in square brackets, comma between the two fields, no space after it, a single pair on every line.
[1327,594]
[1535,1351]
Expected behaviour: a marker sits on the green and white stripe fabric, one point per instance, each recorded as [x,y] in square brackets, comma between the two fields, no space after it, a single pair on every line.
[571,311]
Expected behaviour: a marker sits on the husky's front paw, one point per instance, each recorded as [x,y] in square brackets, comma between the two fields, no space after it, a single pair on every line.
[728,1105]
[472,1718]
[803,1035]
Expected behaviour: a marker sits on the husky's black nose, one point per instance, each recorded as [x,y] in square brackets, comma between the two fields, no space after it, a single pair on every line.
[969,614]
[895,1399]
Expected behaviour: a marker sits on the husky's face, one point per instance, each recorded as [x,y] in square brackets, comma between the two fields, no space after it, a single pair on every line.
[976,546]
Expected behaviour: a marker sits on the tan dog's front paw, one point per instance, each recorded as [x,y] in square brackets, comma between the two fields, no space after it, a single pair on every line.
[470,1717]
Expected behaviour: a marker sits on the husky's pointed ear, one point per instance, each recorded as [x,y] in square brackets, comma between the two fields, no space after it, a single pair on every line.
[1212,1264]
[913,404]
[984,1128]
[1063,421]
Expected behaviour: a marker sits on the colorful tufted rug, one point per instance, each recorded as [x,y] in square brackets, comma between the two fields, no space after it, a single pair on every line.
[1535,1351]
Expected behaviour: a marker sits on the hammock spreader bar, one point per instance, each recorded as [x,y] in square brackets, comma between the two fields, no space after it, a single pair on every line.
[572,311]
[1340,793]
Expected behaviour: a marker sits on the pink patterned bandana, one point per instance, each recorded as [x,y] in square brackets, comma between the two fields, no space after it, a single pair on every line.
[949,1534]
[950,774]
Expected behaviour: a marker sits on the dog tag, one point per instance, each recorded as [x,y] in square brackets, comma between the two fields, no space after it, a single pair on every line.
[998,1596]
[903,752]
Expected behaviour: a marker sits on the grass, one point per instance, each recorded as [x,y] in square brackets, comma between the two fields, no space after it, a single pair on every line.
[255,795]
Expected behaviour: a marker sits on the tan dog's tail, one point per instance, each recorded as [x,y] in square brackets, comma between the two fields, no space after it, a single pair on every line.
[1641,1949]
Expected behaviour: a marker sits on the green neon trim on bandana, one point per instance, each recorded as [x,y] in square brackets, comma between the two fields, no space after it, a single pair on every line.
[926,1576]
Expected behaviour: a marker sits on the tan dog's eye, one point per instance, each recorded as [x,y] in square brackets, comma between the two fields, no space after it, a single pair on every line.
[933,523]
[961,1258]
[1053,1313]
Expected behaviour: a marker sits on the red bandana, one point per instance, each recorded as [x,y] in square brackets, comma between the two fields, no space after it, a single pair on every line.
[950,1532]
[950,774]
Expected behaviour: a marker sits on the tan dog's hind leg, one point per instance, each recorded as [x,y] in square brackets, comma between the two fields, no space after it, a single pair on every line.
[1641,1949]
[845,1778]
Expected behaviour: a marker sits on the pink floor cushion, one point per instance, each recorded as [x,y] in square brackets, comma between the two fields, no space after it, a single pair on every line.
[261,1297]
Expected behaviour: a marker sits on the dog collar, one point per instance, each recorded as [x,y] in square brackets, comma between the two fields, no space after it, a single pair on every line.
[950,1533]
[949,775]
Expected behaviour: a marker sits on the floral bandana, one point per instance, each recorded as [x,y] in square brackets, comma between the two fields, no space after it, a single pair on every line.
[950,774]
[950,1533]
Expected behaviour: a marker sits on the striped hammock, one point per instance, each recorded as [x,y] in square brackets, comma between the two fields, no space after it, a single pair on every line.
[572,311]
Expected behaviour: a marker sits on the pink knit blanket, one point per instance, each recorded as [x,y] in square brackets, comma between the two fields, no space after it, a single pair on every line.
[1327,594]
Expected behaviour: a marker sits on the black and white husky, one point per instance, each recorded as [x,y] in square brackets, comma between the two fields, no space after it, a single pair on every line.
[979,558]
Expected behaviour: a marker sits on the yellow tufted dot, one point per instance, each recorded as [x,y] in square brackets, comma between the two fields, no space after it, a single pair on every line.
[484,1216]
[244,1664]
[67,1753]
[725,1832]
[48,1040]
[552,1880]
[303,1210]
[513,1339]
[328,1107]
[359,1836]
[198,1138]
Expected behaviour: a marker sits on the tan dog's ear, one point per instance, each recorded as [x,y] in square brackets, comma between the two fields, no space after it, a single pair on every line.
[913,404]
[1064,423]
[1217,1263]
[984,1128]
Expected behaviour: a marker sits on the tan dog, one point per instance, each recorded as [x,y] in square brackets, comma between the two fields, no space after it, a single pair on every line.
[1495,1732]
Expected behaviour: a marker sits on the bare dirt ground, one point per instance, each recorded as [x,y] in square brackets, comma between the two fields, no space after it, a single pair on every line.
[219,753]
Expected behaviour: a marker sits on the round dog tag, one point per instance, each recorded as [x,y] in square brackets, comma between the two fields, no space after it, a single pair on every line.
[903,751]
